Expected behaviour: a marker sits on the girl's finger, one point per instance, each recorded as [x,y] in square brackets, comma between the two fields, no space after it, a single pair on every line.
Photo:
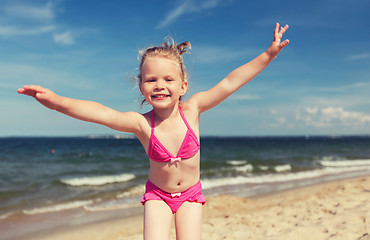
[33,87]
[276,32]
[283,44]
[277,27]
[20,90]
[283,29]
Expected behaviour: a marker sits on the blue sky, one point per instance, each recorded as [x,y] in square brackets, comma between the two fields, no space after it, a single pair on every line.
[319,84]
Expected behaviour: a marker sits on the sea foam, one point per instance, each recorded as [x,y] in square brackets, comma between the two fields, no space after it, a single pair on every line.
[282,177]
[283,168]
[245,168]
[345,163]
[236,162]
[98,180]
[58,207]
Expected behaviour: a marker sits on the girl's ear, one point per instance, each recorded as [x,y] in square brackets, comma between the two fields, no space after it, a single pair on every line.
[140,88]
[184,88]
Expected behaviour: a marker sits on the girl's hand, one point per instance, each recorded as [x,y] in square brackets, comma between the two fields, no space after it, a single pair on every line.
[44,96]
[276,46]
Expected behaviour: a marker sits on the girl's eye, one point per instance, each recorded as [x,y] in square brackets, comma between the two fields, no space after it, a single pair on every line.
[169,79]
[150,80]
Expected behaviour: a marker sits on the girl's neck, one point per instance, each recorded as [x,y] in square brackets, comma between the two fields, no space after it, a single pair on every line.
[162,114]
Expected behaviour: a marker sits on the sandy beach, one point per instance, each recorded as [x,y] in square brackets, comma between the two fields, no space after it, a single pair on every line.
[333,210]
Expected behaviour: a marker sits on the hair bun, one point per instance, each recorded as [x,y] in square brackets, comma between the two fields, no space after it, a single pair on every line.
[183,47]
[169,44]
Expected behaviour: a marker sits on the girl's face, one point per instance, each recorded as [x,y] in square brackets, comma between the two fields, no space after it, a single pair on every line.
[161,82]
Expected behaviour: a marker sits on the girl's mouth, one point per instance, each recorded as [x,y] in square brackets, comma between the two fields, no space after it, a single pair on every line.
[160,96]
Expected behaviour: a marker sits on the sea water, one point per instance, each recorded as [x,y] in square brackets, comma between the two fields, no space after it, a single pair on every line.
[100,173]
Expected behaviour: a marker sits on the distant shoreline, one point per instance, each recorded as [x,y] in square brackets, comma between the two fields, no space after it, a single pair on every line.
[131,136]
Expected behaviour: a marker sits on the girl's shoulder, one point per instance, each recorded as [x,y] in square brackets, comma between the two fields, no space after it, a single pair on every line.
[143,123]
[191,106]
[191,112]
[144,118]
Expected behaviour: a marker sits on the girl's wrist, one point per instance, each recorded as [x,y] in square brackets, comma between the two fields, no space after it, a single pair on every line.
[269,55]
[60,104]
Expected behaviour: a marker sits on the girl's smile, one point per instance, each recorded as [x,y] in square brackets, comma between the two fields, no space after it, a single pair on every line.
[160,96]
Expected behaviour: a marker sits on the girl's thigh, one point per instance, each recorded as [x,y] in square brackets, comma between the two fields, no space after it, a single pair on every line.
[188,221]
[157,220]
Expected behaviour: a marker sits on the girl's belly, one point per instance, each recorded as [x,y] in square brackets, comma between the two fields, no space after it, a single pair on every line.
[175,177]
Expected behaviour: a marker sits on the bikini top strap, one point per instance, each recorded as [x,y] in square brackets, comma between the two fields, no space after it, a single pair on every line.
[153,122]
[182,116]
[184,119]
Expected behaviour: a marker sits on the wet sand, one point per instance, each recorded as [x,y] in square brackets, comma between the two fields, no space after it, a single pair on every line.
[332,210]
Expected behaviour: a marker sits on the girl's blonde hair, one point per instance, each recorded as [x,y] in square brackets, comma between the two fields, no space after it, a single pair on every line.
[170,50]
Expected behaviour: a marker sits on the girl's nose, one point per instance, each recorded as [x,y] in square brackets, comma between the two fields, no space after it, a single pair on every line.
[160,84]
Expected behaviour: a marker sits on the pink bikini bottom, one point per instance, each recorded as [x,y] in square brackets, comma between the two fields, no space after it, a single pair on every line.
[174,200]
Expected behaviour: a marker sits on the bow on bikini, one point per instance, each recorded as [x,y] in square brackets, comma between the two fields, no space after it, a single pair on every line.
[173,160]
[175,195]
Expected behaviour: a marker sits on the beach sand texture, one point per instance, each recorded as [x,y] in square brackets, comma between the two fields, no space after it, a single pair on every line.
[337,210]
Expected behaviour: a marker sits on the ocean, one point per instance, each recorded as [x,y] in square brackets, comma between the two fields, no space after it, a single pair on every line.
[40,175]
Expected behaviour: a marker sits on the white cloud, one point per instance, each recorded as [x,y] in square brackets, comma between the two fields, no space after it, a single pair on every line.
[311,110]
[345,88]
[38,13]
[339,113]
[63,38]
[332,116]
[175,13]
[360,56]
[17,31]
[22,19]
[31,19]
[242,97]
[187,7]
[317,120]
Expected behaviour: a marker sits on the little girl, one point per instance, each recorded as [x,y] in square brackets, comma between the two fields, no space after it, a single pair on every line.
[169,133]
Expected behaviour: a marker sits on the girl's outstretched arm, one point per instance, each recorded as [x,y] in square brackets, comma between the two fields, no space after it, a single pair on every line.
[85,110]
[242,75]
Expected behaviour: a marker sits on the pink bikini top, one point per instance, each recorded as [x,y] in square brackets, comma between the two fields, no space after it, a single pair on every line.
[189,147]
